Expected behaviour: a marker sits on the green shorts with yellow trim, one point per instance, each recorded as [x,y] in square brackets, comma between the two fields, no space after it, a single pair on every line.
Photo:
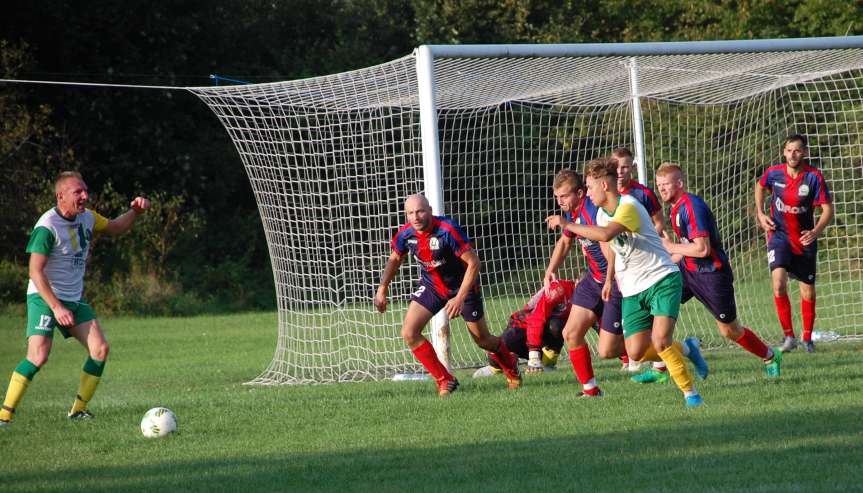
[40,317]
[661,299]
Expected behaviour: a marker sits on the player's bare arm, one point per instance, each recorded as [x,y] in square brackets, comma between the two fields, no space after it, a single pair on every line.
[123,223]
[608,252]
[764,220]
[591,232]
[561,250]
[698,248]
[659,221]
[390,270]
[37,274]
[455,305]
[809,236]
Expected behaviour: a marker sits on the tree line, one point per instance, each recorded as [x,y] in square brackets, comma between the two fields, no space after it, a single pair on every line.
[202,248]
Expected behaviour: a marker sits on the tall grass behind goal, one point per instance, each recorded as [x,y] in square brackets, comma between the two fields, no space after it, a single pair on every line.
[482,130]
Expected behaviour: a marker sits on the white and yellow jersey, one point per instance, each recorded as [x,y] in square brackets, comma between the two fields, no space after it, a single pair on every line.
[640,260]
[66,243]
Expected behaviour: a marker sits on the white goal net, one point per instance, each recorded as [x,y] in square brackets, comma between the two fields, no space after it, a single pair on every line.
[331,160]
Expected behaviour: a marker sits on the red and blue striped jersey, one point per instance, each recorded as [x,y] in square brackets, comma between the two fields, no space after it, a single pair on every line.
[596,261]
[644,196]
[794,200]
[691,218]
[437,250]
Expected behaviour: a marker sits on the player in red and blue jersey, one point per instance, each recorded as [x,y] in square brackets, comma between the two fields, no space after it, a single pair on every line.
[707,274]
[449,280]
[587,304]
[626,185]
[792,233]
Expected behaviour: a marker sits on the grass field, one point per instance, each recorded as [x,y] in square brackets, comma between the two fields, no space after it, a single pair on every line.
[802,433]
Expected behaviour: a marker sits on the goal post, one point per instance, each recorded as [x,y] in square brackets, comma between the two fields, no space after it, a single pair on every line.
[482,130]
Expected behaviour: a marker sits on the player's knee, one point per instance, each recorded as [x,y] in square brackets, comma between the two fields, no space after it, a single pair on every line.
[731,331]
[100,351]
[489,343]
[607,352]
[411,336]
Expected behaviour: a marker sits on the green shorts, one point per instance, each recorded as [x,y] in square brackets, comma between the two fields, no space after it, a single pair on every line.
[661,299]
[40,317]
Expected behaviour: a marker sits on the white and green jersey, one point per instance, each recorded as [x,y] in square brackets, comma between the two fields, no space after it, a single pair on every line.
[66,243]
[640,260]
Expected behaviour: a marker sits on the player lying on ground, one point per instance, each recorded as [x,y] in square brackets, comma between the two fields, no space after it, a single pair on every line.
[535,332]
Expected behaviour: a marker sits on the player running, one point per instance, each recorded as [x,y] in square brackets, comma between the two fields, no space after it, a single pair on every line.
[707,274]
[649,281]
[588,305]
[449,280]
[792,233]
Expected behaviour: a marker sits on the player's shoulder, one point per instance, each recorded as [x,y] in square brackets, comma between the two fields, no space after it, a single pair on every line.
[775,169]
[808,168]
[446,224]
[52,219]
[405,231]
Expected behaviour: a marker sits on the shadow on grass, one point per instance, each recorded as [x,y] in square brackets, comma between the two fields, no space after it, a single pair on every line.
[694,453]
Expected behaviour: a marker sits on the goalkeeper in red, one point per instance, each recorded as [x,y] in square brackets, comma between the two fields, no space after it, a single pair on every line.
[58,249]
[535,332]
[450,281]
[792,233]
[707,274]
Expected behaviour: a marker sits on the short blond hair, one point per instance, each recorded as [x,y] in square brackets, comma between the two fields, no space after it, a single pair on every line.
[63,176]
[668,168]
[568,178]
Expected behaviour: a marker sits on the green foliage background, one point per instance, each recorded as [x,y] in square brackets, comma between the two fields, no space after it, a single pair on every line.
[202,247]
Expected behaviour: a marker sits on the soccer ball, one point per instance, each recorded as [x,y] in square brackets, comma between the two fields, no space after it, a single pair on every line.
[158,422]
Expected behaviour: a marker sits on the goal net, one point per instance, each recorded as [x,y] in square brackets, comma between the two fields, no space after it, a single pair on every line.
[331,160]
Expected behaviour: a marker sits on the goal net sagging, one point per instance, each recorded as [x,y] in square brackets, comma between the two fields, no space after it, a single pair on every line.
[331,160]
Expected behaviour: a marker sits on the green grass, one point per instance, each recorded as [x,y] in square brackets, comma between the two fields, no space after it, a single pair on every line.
[802,433]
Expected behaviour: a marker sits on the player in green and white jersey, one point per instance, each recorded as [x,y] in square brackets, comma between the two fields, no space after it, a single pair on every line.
[58,250]
[649,281]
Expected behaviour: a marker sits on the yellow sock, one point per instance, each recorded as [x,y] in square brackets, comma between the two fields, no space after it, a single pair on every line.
[17,386]
[650,355]
[673,357]
[85,391]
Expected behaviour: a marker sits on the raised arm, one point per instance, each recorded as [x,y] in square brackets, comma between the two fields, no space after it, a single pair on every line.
[123,223]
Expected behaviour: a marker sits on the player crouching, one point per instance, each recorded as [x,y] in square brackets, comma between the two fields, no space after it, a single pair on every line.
[449,280]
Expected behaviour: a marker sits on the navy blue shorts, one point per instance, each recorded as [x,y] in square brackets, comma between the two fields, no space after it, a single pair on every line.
[472,311]
[800,267]
[588,294]
[715,290]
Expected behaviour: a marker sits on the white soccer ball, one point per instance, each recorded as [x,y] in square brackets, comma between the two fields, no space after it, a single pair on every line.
[158,422]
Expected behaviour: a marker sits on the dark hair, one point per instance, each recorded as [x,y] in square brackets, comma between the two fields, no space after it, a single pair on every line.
[622,152]
[795,138]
